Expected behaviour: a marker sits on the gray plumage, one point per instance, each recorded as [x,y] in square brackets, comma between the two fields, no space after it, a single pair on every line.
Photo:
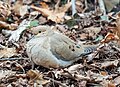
[51,49]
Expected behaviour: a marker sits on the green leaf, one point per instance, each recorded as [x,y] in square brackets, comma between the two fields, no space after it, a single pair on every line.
[34,23]
[99,38]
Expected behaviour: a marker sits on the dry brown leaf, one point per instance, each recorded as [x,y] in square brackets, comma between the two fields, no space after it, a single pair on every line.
[82,84]
[16,8]
[74,68]
[63,8]
[97,76]
[19,8]
[79,6]
[111,85]
[110,37]
[109,63]
[8,26]
[92,29]
[5,10]
[106,83]
[44,5]
[23,10]
[44,12]
[104,73]
[33,74]
[81,77]
[83,36]
[117,30]
[7,52]
[5,73]
[56,15]
[36,76]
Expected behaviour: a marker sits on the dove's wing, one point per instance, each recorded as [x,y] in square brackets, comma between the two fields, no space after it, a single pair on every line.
[64,48]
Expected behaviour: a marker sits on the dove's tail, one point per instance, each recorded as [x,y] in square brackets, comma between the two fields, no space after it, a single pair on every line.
[89,49]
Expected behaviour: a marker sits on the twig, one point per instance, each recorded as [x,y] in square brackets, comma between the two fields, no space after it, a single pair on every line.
[73,7]
[63,85]
[20,67]
[57,4]
[4,59]
[102,6]
[86,6]
[104,17]
[118,49]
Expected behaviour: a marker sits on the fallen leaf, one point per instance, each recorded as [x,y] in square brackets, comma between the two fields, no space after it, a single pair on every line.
[106,83]
[81,77]
[110,37]
[8,26]
[97,76]
[23,10]
[109,63]
[104,73]
[83,36]
[56,15]
[74,68]
[44,5]
[92,29]
[111,85]
[36,76]
[17,6]
[7,52]
[5,10]
[5,73]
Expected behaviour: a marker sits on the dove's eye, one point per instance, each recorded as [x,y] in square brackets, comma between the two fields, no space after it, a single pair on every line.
[78,46]
[39,31]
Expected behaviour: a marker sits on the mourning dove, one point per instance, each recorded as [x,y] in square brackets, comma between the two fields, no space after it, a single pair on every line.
[55,50]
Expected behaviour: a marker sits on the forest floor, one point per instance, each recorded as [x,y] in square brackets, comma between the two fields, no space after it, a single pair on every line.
[86,21]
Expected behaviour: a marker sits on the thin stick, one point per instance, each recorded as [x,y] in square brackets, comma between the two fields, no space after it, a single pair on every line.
[102,6]
[5,59]
[73,7]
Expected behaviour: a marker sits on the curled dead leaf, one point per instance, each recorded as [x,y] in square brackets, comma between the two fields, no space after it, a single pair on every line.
[5,10]
[109,63]
[56,15]
[74,68]
[8,26]
[36,76]
[81,77]
[7,52]
[110,37]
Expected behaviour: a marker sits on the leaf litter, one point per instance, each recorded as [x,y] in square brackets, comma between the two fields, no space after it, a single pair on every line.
[21,20]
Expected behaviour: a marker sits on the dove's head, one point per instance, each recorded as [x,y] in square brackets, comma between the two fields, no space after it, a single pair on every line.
[45,31]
